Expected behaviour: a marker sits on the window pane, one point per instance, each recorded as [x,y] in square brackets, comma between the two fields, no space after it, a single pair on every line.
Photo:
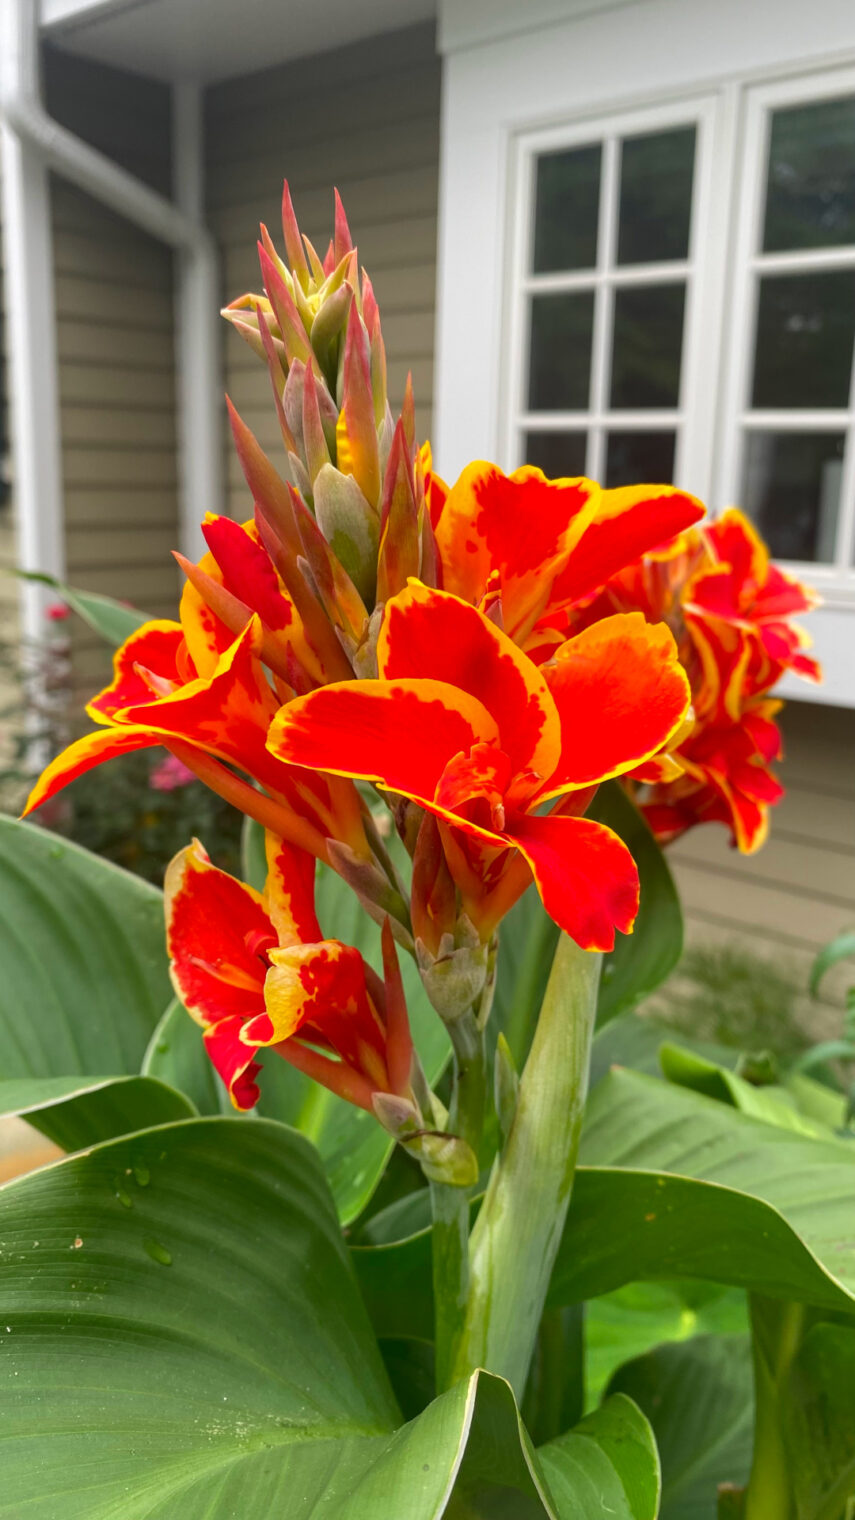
[805,328]
[635,458]
[656,196]
[560,353]
[810,200]
[557,454]
[648,342]
[791,489]
[567,202]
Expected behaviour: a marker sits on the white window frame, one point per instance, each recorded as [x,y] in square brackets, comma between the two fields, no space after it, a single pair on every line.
[836,581]
[701,329]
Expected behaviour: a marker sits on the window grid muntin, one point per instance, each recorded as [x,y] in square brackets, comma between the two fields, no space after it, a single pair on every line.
[604,279]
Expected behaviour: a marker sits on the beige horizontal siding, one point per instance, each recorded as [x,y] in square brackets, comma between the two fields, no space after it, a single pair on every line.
[114,300]
[365,119]
[798,891]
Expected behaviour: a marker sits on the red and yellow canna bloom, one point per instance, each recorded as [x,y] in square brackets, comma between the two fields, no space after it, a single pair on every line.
[254,969]
[540,546]
[729,608]
[465,725]
[212,722]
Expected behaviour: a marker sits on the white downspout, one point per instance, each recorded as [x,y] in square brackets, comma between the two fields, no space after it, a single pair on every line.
[44,144]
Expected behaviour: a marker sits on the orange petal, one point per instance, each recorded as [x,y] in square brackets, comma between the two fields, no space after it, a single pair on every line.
[290,892]
[400,734]
[234,1062]
[433,634]
[585,875]
[623,525]
[207,636]
[521,527]
[156,647]
[215,928]
[83,755]
[622,694]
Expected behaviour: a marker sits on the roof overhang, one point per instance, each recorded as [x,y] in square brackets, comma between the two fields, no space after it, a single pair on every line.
[207,40]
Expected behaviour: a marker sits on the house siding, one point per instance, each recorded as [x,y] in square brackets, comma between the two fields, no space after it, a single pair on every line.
[114,304]
[364,118]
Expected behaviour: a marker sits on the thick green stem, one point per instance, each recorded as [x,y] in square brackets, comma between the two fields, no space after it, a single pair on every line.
[776,1331]
[450,1205]
[516,1235]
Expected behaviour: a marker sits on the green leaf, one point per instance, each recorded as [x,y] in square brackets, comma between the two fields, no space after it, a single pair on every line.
[819,1424]
[636,1041]
[74,1111]
[114,621]
[607,1468]
[699,1399]
[774,1104]
[642,960]
[704,1191]
[83,952]
[633,1320]
[177,1055]
[354,1148]
[842,948]
[204,1354]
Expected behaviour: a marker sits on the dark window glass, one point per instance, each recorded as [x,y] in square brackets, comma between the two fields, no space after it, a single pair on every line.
[635,458]
[566,208]
[557,454]
[805,329]
[648,342]
[810,196]
[791,489]
[560,352]
[656,174]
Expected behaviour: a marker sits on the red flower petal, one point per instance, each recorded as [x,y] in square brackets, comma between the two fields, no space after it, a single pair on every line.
[432,634]
[83,755]
[400,734]
[234,1062]
[156,647]
[621,693]
[625,524]
[215,928]
[585,875]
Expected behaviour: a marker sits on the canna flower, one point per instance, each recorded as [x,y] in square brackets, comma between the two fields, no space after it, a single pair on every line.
[255,971]
[538,546]
[728,607]
[465,725]
[211,723]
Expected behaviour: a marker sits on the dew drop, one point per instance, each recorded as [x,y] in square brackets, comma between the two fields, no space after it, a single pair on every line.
[142,1175]
[124,1196]
[157,1252]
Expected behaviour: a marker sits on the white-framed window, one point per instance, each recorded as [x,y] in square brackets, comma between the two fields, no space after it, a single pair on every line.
[610,264]
[681,306]
[788,399]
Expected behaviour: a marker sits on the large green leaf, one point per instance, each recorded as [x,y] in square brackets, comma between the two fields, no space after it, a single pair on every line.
[704,1191]
[699,1191]
[607,1468]
[642,960]
[79,1111]
[774,1104]
[114,621]
[628,1323]
[177,1055]
[354,1148]
[699,1399]
[193,1347]
[83,953]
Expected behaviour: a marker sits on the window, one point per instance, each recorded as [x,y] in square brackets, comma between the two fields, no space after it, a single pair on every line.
[605,303]
[789,454]
[682,307]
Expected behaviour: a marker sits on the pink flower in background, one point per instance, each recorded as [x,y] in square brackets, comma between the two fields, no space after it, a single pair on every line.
[170,774]
[57,612]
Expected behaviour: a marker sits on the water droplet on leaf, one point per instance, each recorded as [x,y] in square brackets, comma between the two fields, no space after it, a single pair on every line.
[157,1252]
